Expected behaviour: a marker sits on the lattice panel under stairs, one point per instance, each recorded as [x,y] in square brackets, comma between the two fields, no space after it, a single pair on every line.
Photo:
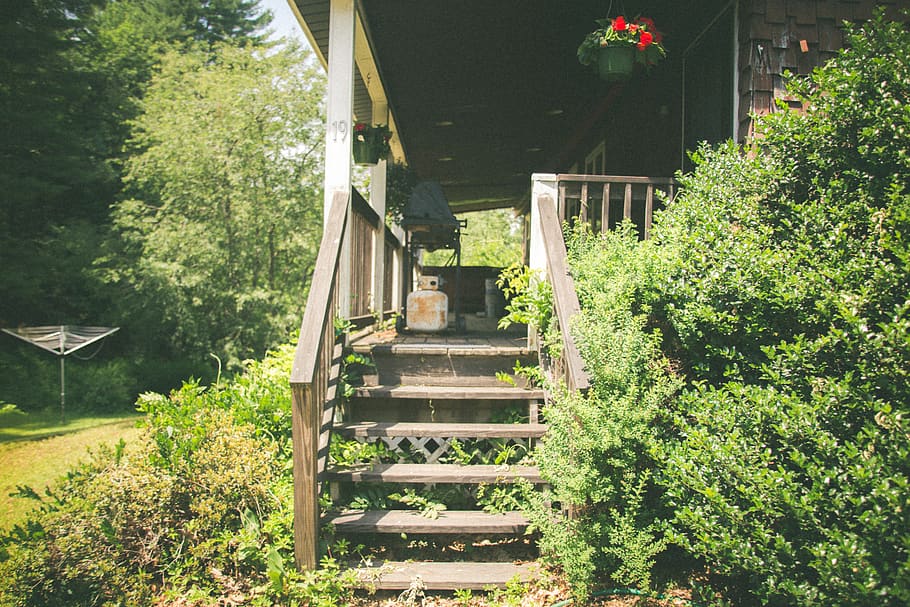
[434,449]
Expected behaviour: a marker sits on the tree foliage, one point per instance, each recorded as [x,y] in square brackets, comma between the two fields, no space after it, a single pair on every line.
[72,75]
[221,225]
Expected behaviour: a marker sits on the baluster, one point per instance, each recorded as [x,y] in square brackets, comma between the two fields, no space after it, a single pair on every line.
[649,210]
[627,202]
[605,209]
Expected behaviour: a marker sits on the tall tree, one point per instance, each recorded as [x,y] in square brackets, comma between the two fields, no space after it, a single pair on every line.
[51,163]
[222,221]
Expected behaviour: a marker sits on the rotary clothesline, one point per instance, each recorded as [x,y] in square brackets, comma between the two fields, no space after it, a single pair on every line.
[61,340]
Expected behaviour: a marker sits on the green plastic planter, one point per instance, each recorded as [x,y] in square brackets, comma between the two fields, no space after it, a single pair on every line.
[615,62]
[366,153]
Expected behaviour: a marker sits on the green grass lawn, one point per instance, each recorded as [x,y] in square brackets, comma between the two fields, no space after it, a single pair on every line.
[35,450]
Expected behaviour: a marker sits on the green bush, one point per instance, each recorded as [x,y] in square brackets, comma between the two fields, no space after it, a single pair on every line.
[790,473]
[750,363]
[200,508]
[597,454]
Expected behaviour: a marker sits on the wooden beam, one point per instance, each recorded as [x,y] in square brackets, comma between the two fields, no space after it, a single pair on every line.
[318,308]
[340,128]
[306,503]
[564,295]
[378,180]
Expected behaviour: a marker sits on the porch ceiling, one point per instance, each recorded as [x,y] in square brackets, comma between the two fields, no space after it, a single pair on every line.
[486,92]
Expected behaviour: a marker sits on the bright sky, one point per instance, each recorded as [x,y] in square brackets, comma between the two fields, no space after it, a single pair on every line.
[284,23]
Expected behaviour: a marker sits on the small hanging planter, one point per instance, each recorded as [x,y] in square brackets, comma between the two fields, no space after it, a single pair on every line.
[617,46]
[371,143]
[615,62]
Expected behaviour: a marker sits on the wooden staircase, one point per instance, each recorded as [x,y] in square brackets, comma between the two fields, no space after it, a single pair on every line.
[428,391]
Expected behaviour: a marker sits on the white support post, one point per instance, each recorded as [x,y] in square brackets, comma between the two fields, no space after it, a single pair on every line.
[397,269]
[542,184]
[339,112]
[377,201]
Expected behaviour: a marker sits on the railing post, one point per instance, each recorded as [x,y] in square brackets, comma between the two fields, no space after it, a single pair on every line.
[542,184]
[340,129]
[304,432]
[377,201]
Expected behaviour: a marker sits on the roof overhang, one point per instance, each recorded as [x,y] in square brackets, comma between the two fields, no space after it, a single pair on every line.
[482,94]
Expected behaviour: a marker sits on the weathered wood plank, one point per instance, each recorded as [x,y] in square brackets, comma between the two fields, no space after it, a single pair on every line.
[649,211]
[445,576]
[379,429]
[449,392]
[318,309]
[436,473]
[440,348]
[564,296]
[605,209]
[412,521]
[306,502]
[627,202]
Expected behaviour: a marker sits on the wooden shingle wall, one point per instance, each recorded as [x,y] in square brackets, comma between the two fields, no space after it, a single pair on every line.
[791,35]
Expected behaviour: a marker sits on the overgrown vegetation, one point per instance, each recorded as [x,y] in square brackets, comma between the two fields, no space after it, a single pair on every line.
[749,413]
[199,508]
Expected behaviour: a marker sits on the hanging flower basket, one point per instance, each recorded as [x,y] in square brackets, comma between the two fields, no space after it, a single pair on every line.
[371,143]
[615,62]
[617,46]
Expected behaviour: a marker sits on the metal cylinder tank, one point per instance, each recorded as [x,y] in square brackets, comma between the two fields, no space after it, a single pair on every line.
[428,307]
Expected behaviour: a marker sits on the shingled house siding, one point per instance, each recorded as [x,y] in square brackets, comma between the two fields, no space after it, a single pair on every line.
[791,35]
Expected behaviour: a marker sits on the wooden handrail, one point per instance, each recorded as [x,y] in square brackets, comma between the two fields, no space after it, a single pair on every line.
[318,307]
[313,380]
[564,296]
[590,190]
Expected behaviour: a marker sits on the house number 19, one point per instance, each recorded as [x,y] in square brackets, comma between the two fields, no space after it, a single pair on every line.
[339,129]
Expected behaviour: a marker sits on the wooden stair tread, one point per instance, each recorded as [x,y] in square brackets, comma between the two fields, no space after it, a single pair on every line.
[435,473]
[449,392]
[445,576]
[441,430]
[411,521]
[440,348]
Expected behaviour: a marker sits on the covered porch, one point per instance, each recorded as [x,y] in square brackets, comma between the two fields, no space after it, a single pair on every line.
[490,102]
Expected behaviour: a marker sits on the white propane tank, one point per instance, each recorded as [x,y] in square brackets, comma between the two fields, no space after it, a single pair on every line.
[428,307]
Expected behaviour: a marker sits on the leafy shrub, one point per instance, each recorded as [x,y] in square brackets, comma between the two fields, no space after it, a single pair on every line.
[200,507]
[790,476]
[750,363]
[598,450]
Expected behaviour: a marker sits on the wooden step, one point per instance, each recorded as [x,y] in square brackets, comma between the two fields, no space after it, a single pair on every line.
[445,576]
[446,345]
[411,521]
[435,473]
[449,392]
[440,430]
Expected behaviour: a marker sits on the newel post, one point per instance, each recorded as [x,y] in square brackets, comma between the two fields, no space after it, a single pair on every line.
[543,185]
[304,432]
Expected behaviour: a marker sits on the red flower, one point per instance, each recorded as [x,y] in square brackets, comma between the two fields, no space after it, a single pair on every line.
[360,127]
[645,41]
[633,28]
[646,21]
[619,24]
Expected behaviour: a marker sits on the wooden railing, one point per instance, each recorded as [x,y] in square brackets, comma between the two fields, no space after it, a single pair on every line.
[601,201]
[604,201]
[565,299]
[313,381]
